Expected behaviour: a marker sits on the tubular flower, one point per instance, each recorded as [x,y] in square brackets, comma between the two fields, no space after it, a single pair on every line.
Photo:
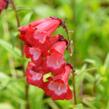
[59,46]
[54,62]
[39,31]
[49,42]
[34,75]
[34,53]
[47,56]
[3,5]
[58,87]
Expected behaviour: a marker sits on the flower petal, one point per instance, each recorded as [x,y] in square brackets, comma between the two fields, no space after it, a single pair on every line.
[54,62]
[59,46]
[34,76]
[33,53]
[58,87]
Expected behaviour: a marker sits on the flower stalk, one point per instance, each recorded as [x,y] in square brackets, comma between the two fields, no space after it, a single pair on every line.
[74,88]
[15,11]
[70,49]
[27,105]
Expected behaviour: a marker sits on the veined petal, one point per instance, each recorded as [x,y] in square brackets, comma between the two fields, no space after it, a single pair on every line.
[39,30]
[49,25]
[58,87]
[34,76]
[59,46]
[40,37]
[34,53]
[55,61]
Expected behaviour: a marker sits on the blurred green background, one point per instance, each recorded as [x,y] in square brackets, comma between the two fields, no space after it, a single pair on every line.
[88,25]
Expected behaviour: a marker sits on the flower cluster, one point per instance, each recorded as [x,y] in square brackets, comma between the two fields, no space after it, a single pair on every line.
[3,4]
[48,69]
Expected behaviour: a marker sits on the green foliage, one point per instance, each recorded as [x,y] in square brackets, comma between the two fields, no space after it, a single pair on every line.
[88,26]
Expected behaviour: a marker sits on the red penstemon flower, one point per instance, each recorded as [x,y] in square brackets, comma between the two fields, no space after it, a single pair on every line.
[3,5]
[47,55]
[54,62]
[59,46]
[49,42]
[58,87]
[34,76]
[38,32]
[34,53]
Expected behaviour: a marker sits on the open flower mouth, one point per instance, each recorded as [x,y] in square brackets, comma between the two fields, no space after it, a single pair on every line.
[35,53]
[57,87]
[55,60]
[35,76]
[40,36]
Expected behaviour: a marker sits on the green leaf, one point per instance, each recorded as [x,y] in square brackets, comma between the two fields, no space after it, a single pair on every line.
[27,18]
[106,63]
[65,104]
[90,61]
[4,80]
[10,49]
[79,106]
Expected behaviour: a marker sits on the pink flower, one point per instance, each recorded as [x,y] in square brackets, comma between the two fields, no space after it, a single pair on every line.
[34,53]
[47,56]
[58,87]
[34,76]
[39,31]
[26,34]
[54,62]
[59,46]
[47,45]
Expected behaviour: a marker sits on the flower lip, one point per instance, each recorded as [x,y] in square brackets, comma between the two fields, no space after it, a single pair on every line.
[55,60]
[58,87]
[66,42]
[35,76]
[36,53]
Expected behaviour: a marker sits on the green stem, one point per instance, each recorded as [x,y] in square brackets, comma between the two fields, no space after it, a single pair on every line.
[15,11]
[74,88]
[73,46]
[27,105]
